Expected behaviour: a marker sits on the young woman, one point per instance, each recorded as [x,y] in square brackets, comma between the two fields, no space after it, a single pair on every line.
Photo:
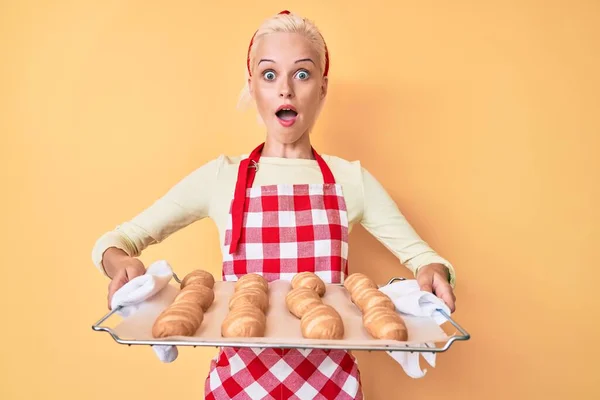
[282,209]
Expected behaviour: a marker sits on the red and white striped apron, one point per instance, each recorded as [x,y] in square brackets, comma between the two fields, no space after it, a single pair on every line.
[285,229]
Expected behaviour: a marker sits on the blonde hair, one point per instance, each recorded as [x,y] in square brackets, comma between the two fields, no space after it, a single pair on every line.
[288,23]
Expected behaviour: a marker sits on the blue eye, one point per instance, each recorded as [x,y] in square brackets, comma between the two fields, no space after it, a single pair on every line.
[269,75]
[302,75]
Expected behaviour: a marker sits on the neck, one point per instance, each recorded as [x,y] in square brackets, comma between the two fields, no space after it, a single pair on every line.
[299,149]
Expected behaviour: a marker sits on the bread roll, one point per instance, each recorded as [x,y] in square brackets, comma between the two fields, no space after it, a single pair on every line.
[382,323]
[182,318]
[244,321]
[251,295]
[357,281]
[198,277]
[309,280]
[367,297]
[322,322]
[252,280]
[201,294]
[301,299]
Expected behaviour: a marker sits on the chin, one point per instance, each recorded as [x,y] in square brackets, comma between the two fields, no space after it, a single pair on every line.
[288,136]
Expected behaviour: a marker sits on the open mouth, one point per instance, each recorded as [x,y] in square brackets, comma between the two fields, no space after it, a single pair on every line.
[286,114]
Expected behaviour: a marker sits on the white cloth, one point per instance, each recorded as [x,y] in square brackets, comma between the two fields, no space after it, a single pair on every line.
[139,289]
[409,299]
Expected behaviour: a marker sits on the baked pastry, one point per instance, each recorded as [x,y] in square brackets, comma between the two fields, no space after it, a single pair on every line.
[383,323]
[322,322]
[181,318]
[184,315]
[244,321]
[249,295]
[309,280]
[357,281]
[367,297]
[252,280]
[247,308]
[201,294]
[301,299]
[198,277]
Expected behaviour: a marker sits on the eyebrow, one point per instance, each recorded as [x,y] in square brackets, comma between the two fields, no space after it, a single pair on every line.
[304,59]
[297,61]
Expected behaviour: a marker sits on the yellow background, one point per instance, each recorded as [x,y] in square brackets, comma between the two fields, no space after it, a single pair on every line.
[480,118]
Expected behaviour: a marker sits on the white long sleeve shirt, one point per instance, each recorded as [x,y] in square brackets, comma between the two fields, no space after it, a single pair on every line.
[208,192]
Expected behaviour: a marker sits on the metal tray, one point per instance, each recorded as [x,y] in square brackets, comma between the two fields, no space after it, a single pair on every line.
[433,346]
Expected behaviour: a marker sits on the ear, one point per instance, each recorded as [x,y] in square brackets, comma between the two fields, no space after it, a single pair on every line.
[324,86]
[250,86]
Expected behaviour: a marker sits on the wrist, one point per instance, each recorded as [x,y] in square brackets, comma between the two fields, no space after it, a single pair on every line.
[111,260]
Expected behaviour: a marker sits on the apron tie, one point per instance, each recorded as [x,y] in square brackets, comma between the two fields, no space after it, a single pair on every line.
[246,173]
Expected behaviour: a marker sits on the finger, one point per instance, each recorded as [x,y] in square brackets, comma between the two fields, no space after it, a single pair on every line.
[426,286]
[425,282]
[449,302]
[133,273]
[114,285]
[444,292]
[109,294]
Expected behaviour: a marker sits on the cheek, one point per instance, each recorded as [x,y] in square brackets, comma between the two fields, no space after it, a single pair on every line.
[262,97]
[311,99]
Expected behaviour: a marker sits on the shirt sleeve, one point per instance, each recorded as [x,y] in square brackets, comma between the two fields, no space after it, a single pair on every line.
[184,203]
[382,218]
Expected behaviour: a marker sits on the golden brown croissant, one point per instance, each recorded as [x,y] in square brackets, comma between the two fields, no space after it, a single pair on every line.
[184,315]
[357,281]
[251,295]
[383,323]
[182,318]
[244,321]
[252,280]
[198,277]
[309,280]
[299,300]
[322,322]
[367,297]
[201,294]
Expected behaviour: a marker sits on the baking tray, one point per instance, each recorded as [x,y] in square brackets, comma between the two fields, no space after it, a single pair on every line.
[283,329]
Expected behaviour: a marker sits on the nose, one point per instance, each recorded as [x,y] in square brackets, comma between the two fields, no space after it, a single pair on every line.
[286,91]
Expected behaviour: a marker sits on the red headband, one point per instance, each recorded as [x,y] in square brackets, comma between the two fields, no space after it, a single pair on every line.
[252,41]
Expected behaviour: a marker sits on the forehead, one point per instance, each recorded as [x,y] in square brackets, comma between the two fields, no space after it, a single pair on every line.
[285,48]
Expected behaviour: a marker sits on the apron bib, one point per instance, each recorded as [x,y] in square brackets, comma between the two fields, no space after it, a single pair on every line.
[278,231]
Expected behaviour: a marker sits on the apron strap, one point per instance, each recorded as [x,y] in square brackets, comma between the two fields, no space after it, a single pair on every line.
[245,179]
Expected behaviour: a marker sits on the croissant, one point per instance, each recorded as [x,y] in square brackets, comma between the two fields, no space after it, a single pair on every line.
[182,318]
[322,322]
[382,323]
[201,294]
[367,297]
[309,280]
[198,277]
[245,320]
[252,280]
[299,300]
[357,281]
[249,295]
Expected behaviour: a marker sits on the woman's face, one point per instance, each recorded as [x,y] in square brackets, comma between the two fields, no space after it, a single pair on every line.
[287,85]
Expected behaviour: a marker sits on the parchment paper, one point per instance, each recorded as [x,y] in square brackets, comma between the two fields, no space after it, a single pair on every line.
[282,326]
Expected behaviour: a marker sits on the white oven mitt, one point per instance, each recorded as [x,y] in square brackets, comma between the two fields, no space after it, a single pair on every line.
[139,289]
[409,299]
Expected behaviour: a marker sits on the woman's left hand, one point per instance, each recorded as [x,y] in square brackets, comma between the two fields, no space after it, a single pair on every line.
[434,278]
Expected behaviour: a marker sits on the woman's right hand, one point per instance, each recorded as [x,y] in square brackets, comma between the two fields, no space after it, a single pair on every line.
[121,268]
